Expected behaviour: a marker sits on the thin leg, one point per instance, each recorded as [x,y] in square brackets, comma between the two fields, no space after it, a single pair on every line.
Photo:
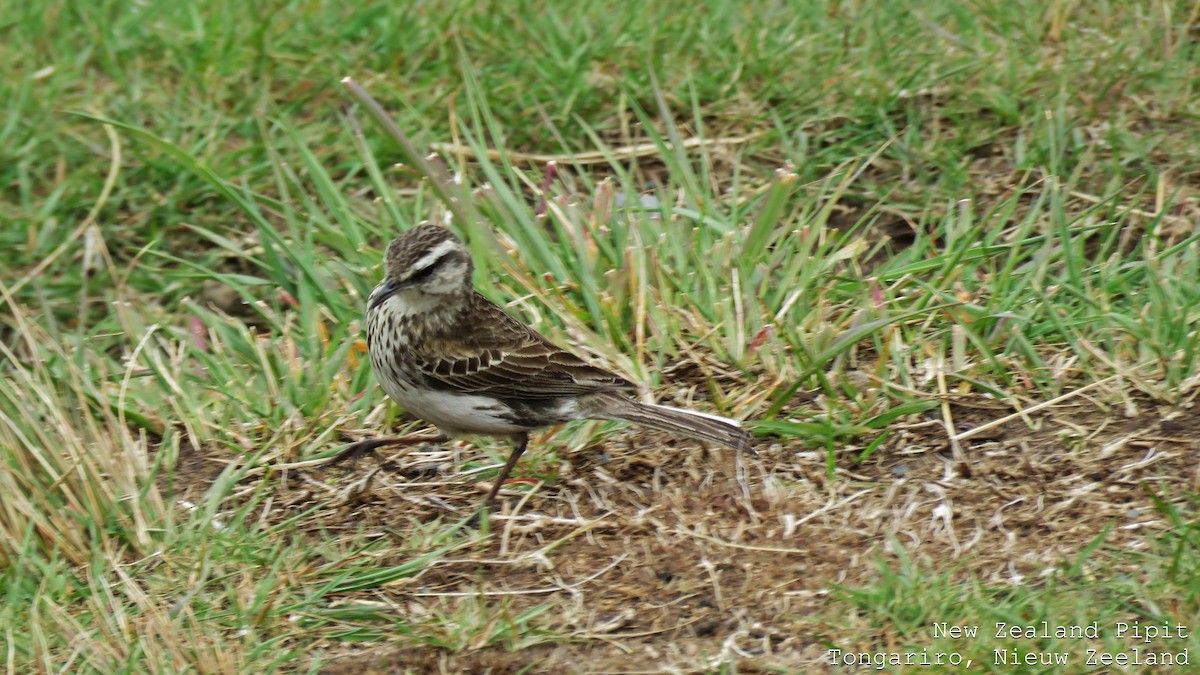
[372,444]
[519,443]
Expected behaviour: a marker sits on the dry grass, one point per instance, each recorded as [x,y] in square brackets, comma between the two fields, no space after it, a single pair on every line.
[646,550]
[945,269]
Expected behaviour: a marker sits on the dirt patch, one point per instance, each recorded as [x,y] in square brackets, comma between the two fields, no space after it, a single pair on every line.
[195,470]
[652,554]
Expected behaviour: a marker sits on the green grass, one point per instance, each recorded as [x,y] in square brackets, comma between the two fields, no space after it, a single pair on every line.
[1036,157]
[908,605]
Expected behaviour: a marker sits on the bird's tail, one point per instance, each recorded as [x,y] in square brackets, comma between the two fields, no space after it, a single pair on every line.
[700,426]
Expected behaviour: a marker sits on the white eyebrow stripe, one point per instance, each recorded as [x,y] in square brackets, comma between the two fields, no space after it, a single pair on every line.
[435,253]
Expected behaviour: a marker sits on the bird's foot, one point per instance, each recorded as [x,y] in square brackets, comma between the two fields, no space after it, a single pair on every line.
[370,445]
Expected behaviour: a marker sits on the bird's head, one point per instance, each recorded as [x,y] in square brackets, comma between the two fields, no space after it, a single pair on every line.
[429,260]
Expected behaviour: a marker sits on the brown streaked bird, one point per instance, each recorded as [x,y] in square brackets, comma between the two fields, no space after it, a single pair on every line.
[455,359]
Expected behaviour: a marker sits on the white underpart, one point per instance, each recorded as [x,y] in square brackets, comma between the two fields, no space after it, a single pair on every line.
[570,408]
[453,413]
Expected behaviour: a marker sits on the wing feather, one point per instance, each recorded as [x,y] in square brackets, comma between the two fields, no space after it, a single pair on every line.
[508,359]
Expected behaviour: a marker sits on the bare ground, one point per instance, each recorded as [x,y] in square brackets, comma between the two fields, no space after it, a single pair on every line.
[653,556]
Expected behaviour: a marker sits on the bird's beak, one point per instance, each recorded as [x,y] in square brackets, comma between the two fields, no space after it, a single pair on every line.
[385,291]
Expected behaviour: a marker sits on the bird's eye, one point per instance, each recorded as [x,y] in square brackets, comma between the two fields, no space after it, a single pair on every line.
[423,274]
[427,271]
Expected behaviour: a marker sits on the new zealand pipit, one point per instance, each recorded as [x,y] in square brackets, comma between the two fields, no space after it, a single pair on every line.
[455,359]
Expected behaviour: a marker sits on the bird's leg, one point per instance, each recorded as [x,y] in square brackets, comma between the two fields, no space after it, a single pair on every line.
[372,444]
[519,444]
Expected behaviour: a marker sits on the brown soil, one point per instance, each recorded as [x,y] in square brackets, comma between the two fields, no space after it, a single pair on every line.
[653,556]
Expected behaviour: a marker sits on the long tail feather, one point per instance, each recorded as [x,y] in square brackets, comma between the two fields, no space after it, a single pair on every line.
[700,426]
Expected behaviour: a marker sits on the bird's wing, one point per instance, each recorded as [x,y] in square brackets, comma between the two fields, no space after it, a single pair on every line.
[503,357]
